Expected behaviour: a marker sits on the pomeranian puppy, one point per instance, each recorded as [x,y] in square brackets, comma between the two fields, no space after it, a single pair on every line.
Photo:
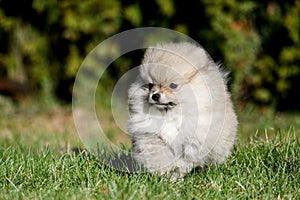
[180,111]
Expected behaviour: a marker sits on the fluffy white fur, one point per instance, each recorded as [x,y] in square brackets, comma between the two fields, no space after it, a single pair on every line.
[192,123]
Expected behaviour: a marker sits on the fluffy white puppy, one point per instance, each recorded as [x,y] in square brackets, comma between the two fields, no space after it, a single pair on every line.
[181,114]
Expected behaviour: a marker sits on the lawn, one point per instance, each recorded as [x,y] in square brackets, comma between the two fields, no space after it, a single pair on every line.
[37,161]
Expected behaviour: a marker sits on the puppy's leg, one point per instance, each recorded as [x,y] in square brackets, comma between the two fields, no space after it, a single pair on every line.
[180,169]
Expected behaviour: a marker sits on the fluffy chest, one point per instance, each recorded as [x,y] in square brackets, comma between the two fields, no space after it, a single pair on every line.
[165,124]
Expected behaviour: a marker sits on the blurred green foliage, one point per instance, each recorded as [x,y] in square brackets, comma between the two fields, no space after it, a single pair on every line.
[42,43]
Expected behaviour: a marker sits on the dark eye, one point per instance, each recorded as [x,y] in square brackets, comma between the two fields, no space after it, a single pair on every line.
[173,85]
[150,86]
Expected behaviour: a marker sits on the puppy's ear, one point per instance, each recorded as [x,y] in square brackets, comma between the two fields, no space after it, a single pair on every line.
[191,75]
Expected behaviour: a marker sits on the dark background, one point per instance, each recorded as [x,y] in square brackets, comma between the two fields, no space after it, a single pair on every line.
[42,43]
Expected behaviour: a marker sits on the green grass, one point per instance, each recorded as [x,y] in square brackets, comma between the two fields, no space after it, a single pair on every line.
[261,169]
[36,162]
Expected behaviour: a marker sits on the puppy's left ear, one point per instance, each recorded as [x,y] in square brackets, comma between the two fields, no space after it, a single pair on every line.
[191,75]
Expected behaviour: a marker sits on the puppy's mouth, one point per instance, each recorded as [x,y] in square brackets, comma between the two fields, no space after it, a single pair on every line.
[165,106]
[161,102]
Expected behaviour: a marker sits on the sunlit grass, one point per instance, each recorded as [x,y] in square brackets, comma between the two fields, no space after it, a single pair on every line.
[255,122]
[266,169]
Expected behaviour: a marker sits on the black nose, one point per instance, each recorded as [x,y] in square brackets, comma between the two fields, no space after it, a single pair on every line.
[155,97]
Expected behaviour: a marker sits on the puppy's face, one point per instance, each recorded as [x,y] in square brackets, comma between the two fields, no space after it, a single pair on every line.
[166,75]
[163,96]
[164,85]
